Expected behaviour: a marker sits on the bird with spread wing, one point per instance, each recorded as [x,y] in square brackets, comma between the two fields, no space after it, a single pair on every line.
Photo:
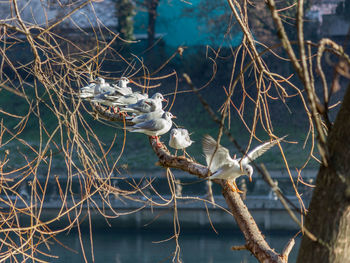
[222,166]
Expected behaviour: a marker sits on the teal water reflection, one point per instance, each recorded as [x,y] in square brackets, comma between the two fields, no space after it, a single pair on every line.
[147,247]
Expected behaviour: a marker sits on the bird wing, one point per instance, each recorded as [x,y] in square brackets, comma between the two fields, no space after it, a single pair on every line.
[148,116]
[215,155]
[151,125]
[106,96]
[89,88]
[186,136]
[122,90]
[126,100]
[260,150]
[140,106]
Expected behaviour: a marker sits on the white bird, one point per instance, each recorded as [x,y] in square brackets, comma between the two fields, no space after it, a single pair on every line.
[87,92]
[146,116]
[102,86]
[223,166]
[146,105]
[104,99]
[123,82]
[95,88]
[122,88]
[154,127]
[179,139]
[128,99]
[112,100]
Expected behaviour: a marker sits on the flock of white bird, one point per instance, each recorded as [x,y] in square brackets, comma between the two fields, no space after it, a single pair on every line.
[148,117]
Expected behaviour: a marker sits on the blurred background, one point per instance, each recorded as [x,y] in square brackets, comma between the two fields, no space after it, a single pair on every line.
[153,43]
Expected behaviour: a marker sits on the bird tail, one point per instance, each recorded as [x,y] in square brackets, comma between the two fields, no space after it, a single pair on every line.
[129,128]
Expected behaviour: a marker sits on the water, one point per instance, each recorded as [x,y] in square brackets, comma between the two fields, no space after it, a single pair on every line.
[140,247]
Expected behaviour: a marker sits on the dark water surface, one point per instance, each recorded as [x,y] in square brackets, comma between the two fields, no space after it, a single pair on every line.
[141,247]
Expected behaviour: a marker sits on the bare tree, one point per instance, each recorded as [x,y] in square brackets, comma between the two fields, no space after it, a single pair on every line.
[46,87]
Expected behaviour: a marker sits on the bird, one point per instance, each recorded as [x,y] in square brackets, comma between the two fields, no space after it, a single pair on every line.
[122,88]
[154,127]
[95,88]
[222,166]
[105,99]
[102,86]
[124,101]
[113,99]
[87,92]
[179,139]
[146,116]
[146,105]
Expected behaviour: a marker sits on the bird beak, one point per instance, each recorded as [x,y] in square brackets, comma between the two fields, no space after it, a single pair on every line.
[174,117]
[164,100]
[250,178]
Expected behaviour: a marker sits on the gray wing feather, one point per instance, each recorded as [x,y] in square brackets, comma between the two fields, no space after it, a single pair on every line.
[260,150]
[215,158]
[148,116]
[151,125]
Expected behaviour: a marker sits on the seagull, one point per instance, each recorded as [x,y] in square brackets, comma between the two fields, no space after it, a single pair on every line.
[147,116]
[102,86]
[104,99]
[146,105]
[154,127]
[94,88]
[88,91]
[112,100]
[223,166]
[122,88]
[128,99]
[123,82]
[179,139]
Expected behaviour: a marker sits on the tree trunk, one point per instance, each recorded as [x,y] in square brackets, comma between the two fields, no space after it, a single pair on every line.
[329,211]
[125,15]
[152,6]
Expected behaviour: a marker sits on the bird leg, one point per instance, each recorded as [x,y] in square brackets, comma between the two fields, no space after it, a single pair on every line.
[114,110]
[159,144]
[234,187]
[123,114]
[185,155]
[175,152]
